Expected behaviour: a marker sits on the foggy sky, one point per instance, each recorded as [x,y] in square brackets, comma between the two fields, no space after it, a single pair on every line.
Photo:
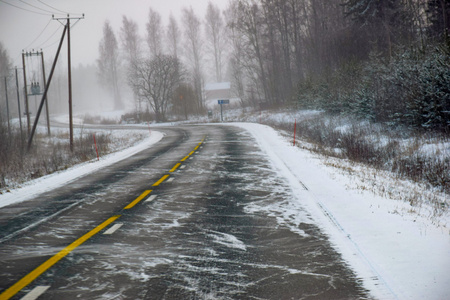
[20,29]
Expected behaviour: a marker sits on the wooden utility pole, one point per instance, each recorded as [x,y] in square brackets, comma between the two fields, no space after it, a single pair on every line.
[30,139]
[27,111]
[7,104]
[46,98]
[67,26]
[18,105]
[44,81]
[70,84]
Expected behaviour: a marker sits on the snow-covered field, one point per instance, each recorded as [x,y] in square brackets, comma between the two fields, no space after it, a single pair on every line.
[399,252]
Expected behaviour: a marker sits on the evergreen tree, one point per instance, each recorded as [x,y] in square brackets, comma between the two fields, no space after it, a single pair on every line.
[384,20]
[438,12]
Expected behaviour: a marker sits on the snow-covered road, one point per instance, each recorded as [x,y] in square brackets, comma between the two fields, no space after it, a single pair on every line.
[397,254]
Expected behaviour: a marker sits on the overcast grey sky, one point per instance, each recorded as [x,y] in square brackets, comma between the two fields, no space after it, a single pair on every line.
[28,24]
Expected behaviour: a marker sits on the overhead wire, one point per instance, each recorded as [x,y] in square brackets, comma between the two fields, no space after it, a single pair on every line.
[26,3]
[32,11]
[50,45]
[43,43]
[73,25]
[43,12]
[42,2]
[40,34]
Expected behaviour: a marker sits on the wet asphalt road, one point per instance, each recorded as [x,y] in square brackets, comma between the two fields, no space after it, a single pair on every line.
[220,226]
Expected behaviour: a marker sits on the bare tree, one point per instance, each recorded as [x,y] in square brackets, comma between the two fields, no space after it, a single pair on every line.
[5,61]
[236,60]
[250,24]
[131,42]
[183,100]
[384,20]
[155,81]
[154,30]
[131,46]
[215,37]
[5,66]
[173,36]
[108,64]
[193,46]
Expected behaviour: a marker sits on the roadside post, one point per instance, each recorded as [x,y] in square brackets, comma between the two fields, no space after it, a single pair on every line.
[221,102]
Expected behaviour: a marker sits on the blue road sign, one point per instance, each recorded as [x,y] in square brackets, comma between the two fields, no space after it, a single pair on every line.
[223,101]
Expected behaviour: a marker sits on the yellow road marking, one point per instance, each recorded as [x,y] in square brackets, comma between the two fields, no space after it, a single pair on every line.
[19,285]
[175,167]
[161,180]
[138,199]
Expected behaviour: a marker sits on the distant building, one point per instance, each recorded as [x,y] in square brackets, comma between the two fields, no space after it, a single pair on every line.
[217,91]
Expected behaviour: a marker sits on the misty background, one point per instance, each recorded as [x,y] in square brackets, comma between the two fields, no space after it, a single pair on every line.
[384,61]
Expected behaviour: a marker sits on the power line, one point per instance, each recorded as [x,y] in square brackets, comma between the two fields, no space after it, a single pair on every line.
[35,6]
[50,45]
[44,46]
[32,11]
[40,46]
[39,34]
[52,7]
[76,22]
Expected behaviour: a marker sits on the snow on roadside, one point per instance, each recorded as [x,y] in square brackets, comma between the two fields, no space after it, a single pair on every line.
[54,180]
[398,255]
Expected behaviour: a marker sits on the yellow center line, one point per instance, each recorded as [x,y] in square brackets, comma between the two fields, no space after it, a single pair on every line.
[175,167]
[161,180]
[30,277]
[19,285]
[138,199]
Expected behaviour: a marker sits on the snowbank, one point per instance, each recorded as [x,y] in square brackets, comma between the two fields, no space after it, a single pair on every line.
[398,255]
[57,179]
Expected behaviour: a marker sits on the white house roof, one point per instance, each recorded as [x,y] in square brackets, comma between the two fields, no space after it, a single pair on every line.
[217,86]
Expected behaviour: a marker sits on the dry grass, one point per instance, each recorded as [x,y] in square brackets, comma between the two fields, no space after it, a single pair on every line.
[47,155]
[398,151]
[396,163]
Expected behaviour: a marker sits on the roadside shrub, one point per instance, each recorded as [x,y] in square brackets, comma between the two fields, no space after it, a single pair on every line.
[375,145]
[89,119]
